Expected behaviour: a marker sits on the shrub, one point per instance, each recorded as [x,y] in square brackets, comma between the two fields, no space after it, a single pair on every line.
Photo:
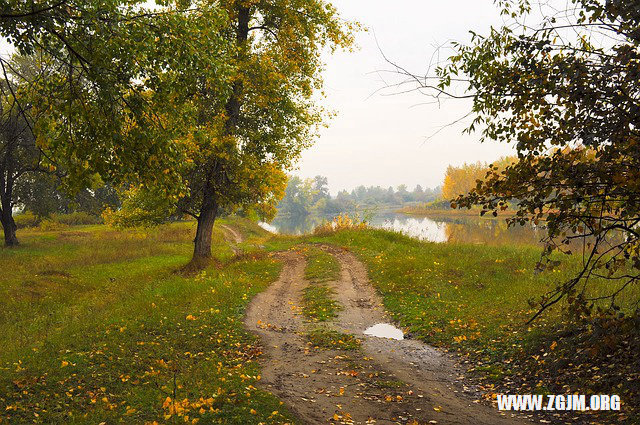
[56,221]
[26,219]
[76,219]
[48,224]
[341,222]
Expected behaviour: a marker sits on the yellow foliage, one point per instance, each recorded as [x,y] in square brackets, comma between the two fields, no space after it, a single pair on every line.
[460,180]
[341,222]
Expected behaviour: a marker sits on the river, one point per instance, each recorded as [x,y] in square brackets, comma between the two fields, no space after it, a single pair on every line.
[442,229]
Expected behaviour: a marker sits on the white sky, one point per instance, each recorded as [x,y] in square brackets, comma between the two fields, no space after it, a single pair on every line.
[381,140]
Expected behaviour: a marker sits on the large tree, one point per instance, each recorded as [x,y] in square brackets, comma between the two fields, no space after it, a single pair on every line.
[101,113]
[245,133]
[567,94]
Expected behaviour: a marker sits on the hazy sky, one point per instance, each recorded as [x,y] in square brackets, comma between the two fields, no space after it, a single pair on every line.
[381,140]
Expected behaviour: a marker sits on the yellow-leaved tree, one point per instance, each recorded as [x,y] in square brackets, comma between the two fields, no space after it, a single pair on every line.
[244,125]
[461,180]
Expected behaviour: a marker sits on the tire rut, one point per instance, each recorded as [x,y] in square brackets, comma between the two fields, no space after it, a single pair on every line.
[386,382]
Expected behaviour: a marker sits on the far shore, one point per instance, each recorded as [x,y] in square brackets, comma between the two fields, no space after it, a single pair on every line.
[450,212]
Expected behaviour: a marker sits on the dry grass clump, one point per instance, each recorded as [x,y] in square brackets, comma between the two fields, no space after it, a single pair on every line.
[341,222]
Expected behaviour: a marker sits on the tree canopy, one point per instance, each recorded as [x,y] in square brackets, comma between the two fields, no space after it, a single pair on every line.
[566,94]
[88,99]
[245,123]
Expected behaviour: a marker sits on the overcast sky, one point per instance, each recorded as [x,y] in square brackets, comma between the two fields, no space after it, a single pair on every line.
[382,140]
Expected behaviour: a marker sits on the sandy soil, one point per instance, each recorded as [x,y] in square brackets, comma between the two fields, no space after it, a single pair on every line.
[386,382]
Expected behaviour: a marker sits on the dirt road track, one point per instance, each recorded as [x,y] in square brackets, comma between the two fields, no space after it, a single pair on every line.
[387,382]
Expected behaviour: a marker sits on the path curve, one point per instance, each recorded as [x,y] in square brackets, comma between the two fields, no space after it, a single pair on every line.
[235,235]
[328,386]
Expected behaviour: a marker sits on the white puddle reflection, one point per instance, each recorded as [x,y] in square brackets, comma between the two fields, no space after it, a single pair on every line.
[384,330]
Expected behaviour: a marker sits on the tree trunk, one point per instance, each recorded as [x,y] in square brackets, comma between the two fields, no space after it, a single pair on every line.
[202,242]
[9,227]
[216,173]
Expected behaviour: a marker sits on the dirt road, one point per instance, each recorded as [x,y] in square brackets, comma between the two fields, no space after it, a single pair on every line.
[232,234]
[386,382]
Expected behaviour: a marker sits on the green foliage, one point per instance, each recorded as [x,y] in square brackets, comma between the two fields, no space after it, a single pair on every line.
[42,194]
[77,218]
[245,140]
[97,327]
[79,89]
[28,219]
[565,93]
[199,106]
[141,207]
[244,117]
[89,91]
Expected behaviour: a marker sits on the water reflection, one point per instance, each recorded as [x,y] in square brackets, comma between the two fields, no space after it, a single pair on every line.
[421,228]
[474,230]
[384,330]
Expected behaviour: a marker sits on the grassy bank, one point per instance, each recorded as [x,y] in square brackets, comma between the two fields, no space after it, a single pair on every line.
[474,300]
[97,327]
[422,211]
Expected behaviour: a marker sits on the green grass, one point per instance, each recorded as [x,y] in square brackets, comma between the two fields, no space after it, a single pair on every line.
[97,326]
[318,302]
[474,299]
[332,339]
[442,291]
[390,384]
[321,266]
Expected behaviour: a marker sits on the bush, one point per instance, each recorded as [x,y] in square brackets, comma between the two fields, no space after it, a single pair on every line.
[76,219]
[48,224]
[26,219]
[438,204]
[56,221]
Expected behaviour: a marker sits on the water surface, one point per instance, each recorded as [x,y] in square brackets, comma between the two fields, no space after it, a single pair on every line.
[385,330]
[450,229]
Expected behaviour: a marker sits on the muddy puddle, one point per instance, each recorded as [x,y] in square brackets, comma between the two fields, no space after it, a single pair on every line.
[385,330]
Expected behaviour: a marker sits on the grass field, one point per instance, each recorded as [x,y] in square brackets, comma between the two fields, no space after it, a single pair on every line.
[474,300]
[97,326]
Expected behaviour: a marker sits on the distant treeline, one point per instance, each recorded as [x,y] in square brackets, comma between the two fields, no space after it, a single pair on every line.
[311,196]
